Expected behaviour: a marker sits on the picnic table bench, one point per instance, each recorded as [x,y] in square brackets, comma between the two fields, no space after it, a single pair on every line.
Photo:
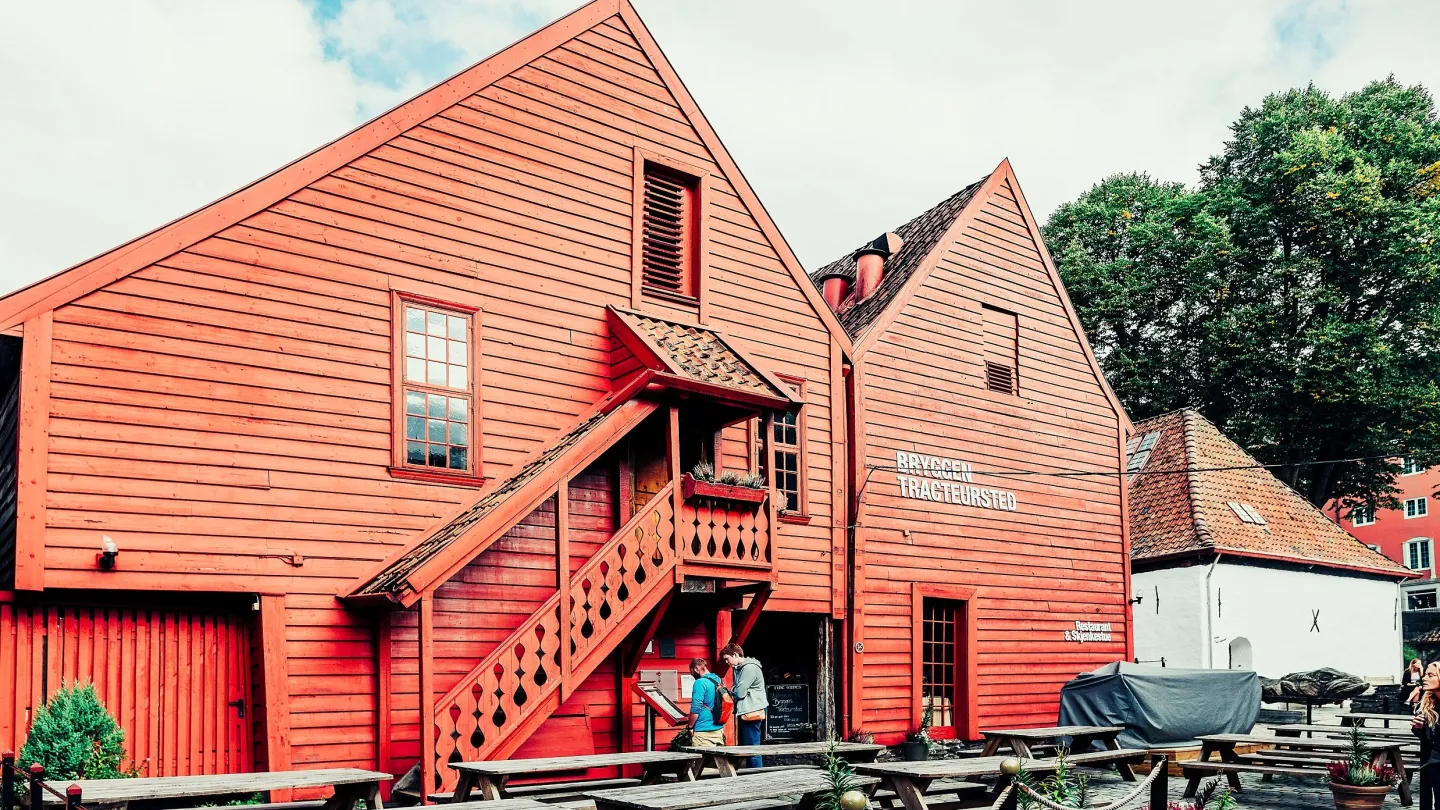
[756,791]
[912,780]
[1021,741]
[492,777]
[1359,718]
[724,758]
[1297,729]
[1293,754]
[350,784]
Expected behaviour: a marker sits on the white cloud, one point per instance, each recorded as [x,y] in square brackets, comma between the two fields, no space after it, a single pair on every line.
[848,117]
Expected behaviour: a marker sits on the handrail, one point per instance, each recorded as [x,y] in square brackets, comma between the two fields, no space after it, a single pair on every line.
[529,665]
[35,777]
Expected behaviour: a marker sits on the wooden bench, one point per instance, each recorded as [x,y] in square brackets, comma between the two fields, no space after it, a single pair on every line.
[557,790]
[1195,771]
[312,804]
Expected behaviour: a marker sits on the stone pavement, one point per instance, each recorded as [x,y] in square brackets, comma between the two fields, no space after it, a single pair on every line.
[1285,793]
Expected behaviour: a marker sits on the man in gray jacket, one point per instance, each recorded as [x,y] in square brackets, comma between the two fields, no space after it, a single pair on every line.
[748,687]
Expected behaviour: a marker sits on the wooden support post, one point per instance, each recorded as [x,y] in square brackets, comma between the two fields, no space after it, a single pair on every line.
[383,664]
[750,615]
[562,581]
[724,627]
[1160,788]
[32,460]
[275,666]
[625,701]
[427,696]
[723,632]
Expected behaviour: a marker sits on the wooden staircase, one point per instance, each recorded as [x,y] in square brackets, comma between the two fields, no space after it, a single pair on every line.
[504,699]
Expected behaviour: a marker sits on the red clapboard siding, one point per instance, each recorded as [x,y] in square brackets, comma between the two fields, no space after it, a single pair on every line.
[1060,557]
[224,410]
[169,678]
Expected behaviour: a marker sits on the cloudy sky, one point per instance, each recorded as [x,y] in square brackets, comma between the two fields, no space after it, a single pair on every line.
[848,117]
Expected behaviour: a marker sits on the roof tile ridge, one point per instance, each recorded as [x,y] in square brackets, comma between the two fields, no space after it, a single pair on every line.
[1192,480]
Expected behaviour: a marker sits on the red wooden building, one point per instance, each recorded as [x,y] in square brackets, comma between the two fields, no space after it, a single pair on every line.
[979,560]
[379,460]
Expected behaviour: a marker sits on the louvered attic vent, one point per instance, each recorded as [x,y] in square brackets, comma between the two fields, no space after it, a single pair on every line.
[999,377]
[668,237]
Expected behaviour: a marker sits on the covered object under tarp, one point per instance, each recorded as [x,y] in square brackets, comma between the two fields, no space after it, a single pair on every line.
[1160,707]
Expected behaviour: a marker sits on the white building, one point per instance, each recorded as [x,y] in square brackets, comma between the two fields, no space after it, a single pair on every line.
[1233,569]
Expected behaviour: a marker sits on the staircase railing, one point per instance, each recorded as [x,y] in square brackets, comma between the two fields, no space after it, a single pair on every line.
[712,531]
[518,677]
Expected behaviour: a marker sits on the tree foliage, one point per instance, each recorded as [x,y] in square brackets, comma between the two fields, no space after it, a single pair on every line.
[74,737]
[1291,297]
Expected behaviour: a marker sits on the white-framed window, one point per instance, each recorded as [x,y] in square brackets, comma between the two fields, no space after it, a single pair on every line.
[1416,507]
[1362,515]
[1421,600]
[1417,554]
[1410,466]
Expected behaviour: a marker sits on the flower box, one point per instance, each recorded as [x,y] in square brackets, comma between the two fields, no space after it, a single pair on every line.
[747,496]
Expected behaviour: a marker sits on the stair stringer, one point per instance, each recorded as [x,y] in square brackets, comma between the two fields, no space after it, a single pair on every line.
[496,706]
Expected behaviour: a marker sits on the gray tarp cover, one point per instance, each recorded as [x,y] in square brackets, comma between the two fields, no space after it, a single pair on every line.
[1159,706]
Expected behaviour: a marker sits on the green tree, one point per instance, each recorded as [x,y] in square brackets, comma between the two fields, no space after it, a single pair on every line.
[1143,262]
[1305,317]
[74,737]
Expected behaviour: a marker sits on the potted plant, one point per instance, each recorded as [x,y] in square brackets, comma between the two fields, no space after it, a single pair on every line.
[746,490]
[916,747]
[1356,782]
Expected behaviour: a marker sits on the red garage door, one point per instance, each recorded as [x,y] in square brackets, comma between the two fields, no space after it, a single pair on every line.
[178,681]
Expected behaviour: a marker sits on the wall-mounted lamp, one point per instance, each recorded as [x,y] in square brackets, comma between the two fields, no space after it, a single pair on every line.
[1137,600]
[108,553]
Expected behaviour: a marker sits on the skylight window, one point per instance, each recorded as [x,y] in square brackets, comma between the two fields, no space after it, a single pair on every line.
[1246,513]
[1139,450]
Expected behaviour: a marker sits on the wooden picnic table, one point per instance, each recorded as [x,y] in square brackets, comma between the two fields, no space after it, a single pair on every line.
[1359,718]
[911,780]
[1381,752]
[1297,729]
[1082,737]
[724,758]
[491,777]
[798,786]
[350,784]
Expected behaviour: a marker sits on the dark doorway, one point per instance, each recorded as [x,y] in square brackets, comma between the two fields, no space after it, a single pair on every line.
[796,651]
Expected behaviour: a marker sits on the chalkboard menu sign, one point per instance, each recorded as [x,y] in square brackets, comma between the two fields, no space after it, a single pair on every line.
[789,713]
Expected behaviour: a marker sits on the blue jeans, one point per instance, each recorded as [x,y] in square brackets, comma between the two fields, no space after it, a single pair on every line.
[750,734]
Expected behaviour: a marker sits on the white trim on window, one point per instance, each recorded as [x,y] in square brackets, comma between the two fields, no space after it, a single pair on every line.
[1417,507]
[1419,556]
[1409,466]
[1362,515]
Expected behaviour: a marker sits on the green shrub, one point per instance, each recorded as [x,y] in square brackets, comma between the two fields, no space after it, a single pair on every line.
[74,737]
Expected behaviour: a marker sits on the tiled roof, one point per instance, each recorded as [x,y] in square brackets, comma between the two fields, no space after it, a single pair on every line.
[701,354]
[393,577]
[1174,512]
[921,235]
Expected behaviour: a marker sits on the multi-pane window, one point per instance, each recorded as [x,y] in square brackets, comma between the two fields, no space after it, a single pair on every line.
[1139,450]
[1417,554]
[1421,600]
[938,670]
[1246,513]
[1416,507]
[787,460]
[438,388]
[1411,466]
[1362,515]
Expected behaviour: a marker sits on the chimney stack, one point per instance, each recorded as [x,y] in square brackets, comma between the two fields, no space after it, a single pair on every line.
[870,263]
[835,285]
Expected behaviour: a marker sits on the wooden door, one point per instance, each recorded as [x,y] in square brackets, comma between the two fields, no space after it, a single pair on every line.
[178,681]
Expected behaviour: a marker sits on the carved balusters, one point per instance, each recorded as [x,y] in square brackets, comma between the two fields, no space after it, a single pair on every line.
[712,532]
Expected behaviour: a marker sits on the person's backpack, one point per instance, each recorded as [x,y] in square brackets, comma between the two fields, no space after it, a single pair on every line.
[724,701]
